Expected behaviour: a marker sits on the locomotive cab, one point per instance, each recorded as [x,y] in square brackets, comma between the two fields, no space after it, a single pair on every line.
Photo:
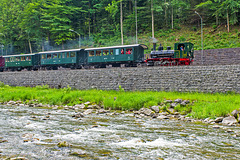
[183,50]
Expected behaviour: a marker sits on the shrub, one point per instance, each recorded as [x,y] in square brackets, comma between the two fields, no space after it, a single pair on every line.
[1,84]
[214,26]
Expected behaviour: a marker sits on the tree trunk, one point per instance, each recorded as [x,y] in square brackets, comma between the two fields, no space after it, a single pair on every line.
[136,21]
[165,12]
[152,19]
[172,17]
[227,21]
[89,23]
[30,47]
[42,45]
[121,20]
[216,20]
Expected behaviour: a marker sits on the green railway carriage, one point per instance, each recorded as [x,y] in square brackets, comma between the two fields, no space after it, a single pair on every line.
[129,55]
[22,61]
[183,50]
[74,58]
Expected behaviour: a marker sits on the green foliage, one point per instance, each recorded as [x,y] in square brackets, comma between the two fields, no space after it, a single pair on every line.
[2,84]
[39,24]
[42,87]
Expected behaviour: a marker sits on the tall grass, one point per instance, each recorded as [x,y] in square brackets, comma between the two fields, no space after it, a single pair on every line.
[202,105]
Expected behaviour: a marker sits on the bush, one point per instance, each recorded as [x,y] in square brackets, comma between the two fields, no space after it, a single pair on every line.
[182,39]
[1,84]
[194,29]
[214,26]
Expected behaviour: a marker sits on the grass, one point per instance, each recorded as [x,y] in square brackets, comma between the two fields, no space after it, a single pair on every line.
[202,105]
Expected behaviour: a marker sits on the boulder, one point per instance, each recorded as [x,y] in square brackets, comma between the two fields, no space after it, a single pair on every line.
[78,115]
[164,113]
[229,120]
[146,111]
[19,158]
[172,105]
[101,111]
[235,113]
[218,119]
[186,101]
[62,144]
[87,103]
[155,115]
[216,127]
[80,106]
[88,111]
[168,101]
[178,101]
[162,117]
[155,109]
[183,103]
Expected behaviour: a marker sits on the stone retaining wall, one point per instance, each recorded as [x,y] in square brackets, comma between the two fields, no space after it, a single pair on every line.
[177,78]
[227,56]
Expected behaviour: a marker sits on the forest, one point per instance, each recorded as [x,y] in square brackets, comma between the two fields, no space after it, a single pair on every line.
[30,26]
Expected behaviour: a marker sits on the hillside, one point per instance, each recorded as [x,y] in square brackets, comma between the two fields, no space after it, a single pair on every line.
[214,38]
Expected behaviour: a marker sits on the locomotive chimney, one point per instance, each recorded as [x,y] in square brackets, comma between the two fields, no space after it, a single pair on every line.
[154,46]
[154,41]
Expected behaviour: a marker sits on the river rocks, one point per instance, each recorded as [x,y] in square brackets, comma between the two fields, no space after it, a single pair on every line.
[218,120]
[3,141]
[146,111]
[88,111]
[172,105]
[162,117]
[102,111]
[229,120]
[235,113]
[10,103]
[168,101]
[19,158]
[216,127]
[155,109]
[63,144]
[80,106]
[178,100]
[79,115]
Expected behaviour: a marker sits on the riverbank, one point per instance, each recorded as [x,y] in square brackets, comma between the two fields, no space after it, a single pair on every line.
[194,105]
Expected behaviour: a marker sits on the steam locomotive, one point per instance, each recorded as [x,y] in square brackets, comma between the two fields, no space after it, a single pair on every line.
[114,56]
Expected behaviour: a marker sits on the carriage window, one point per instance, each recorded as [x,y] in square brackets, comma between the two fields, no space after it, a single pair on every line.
[7,59]
[98,53]
[105,52]
[63,55]
[117,51]
[122,51]
[72,54]
[49,56]
[44,56]
[59,55]
[17,58]
[11,59]
[54,55]
[23,58]
[68,54]
[91,53]
[28,58]
[111,51]
[129,51]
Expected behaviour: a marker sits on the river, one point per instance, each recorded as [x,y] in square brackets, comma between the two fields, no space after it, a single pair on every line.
[34,133]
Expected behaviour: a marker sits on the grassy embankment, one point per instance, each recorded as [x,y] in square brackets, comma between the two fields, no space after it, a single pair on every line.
[213,37]
[203,105]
